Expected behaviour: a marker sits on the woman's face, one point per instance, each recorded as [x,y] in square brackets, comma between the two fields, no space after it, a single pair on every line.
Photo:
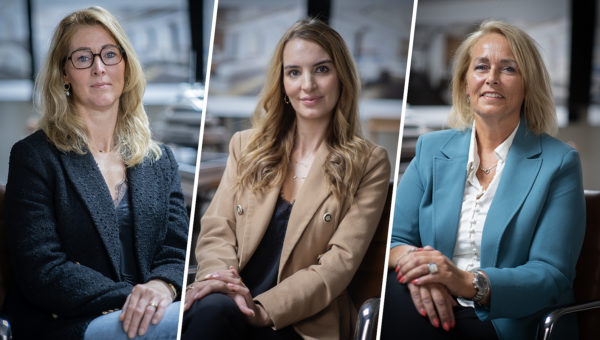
[494,82]
[310,80]
[100,86]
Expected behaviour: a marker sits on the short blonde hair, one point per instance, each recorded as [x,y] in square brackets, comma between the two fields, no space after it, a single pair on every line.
[59,120]
[538,103]
[267,154]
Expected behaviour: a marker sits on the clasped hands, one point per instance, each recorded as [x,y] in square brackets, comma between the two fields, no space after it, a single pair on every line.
[230,283]
[432,291]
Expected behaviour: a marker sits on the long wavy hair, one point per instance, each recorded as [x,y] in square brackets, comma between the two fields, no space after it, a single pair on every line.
[538,104]
[63,126]
[265,159]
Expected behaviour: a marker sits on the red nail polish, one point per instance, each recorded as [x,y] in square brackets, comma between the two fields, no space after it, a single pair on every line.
[436,323]
[397,269]
[422,311]
[402,279]
[446,327]
[415,282]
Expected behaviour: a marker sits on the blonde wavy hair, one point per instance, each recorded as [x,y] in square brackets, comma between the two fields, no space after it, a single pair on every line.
[62,124]
[538,104]
[265,159]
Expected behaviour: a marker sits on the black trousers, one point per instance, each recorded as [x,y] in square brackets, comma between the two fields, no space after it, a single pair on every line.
[217,317]
[402,321]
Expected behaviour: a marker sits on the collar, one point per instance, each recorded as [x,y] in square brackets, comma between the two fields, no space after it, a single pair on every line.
[501,150]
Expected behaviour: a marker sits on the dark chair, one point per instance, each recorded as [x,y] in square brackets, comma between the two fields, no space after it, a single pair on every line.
[587,280]
[5,332]
[365,287]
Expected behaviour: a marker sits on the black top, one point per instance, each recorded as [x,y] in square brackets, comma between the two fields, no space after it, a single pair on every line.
[129,272]
[260,274]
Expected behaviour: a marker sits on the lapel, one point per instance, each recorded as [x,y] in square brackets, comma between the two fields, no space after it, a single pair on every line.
[449,175]
[91,187]
[310,197]
[519,174]
[140,189]
[260,210]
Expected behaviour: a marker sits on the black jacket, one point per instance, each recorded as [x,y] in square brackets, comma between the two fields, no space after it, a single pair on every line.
[63,236]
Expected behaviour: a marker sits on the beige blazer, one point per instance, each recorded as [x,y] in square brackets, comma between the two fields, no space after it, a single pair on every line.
[324,243]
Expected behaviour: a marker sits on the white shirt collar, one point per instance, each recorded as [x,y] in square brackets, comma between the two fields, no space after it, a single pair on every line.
[501,150]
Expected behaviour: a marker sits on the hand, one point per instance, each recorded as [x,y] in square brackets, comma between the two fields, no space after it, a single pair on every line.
[414,268]
[215,282]
[147,302]
[434,301]
[258,316]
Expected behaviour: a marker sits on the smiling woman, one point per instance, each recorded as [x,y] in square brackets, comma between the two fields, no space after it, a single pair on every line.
[297,205]
[95,217]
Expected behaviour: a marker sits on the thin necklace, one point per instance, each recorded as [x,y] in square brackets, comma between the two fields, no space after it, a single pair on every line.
[295,178]
[488,170]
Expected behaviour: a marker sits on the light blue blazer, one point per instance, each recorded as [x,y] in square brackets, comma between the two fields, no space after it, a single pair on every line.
[533,231]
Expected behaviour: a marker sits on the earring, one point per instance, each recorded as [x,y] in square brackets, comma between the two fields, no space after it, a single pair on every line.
[67,88]
[286,99]
[468,99]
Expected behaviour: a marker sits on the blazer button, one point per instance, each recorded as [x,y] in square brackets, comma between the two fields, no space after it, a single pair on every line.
[240,210]
[327,217]
[54,316]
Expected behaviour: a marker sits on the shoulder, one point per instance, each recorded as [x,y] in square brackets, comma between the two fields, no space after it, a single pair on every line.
[35,140]
[35,147]
[240,140]
[558,152]
[443,137]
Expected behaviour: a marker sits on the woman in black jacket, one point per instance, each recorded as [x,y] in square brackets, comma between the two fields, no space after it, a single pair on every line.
[96,221]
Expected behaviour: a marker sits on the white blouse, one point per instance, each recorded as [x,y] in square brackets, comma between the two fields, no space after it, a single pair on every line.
[475,206]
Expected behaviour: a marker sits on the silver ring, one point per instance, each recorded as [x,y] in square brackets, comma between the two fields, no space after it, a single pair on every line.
[433,268]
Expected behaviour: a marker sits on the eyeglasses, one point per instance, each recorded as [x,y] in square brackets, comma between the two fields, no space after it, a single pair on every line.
[84,58]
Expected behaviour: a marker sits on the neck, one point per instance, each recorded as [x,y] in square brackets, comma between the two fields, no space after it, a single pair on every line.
[101,127]
[490,135]
[309,136]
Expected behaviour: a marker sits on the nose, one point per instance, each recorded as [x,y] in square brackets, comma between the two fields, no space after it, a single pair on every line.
[308,82]
[492,76]
[98,66]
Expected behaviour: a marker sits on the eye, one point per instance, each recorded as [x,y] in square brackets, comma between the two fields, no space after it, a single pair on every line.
[293,73]
[110,54]
[83,58]
[322,69]
[510,69]
[481,67]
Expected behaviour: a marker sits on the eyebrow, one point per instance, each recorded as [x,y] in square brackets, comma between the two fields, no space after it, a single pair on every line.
[89,49]
[326,61]
[502,61]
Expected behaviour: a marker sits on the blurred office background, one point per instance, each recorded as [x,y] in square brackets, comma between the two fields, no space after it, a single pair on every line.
[246,33]
[171,40]
[570,49]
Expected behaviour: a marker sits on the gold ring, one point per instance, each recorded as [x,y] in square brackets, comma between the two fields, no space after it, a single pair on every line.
[153,304]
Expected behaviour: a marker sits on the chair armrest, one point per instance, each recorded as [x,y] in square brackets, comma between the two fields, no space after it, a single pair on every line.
[5,332]
[551,319]
[367,319]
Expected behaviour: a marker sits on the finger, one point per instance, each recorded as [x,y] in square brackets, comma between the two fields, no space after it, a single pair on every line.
[133,300]
[416,298]
[245,304]
[429,307]
[228,277]
[416,273]
[160,311]
[149,313]
[139,309]
[444,310]
[124,309]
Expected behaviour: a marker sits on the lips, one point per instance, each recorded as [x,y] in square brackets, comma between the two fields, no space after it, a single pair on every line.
[100,85]
[310,100]
[492,95]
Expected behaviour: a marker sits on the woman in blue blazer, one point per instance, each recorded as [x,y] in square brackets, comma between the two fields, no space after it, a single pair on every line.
[490,216]
[95,217]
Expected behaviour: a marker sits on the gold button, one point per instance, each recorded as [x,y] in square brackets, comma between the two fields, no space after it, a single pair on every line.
[240,210]
[54,316]
[327,217]
[77,263]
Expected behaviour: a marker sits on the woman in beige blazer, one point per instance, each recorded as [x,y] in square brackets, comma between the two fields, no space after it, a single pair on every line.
[297,206]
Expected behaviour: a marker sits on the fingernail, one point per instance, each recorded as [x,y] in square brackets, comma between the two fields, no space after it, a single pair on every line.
[422,311]
[452,324]
[436,323]
[419,249]
[415,281]
[141,332]
[397,269]
[402,279]
[446,327]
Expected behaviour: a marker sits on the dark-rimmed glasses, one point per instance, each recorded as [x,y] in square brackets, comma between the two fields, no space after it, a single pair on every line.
[84,58]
